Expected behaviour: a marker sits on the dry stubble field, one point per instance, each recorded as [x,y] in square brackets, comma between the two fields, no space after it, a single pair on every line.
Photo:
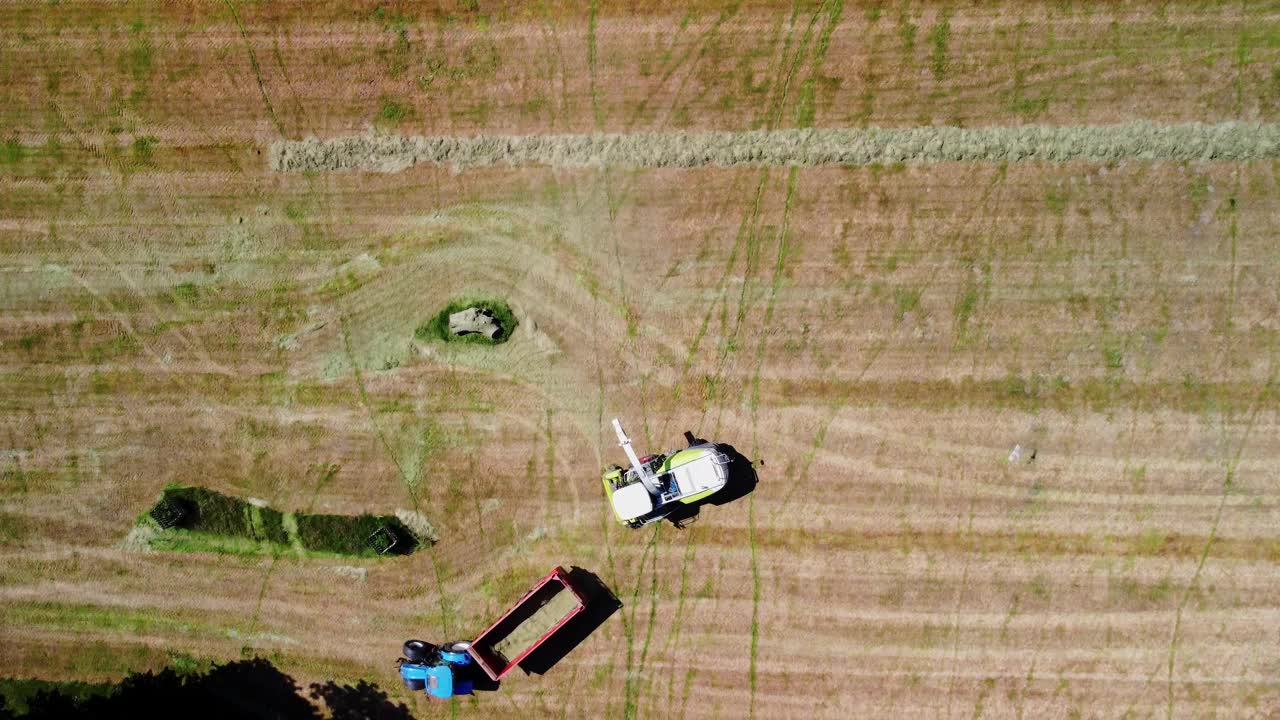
[876,338]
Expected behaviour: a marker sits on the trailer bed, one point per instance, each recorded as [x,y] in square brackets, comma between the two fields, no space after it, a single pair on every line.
[534,618]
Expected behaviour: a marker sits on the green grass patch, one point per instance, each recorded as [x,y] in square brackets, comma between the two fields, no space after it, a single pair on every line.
[965,305]
[144,149]
[907,33]
[86,619]
[349,535]
[179,540]
[212,522]
[437,328]
[137,57]
[29,342]
[392,111]
[1055,199]
[1113,358]
[13,527]
[939,37]
[907,299]
[211,512]
[19,692]
[186,292]
[12,152]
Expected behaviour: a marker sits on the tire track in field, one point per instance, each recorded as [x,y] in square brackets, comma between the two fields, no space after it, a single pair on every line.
[770,306]
[445,602]
[816,62]
[668,71]
[955,615]
[257,69]
[722,284]
[593,12]
[749,231]
[1234,462]
[750,224]
[630,683]
[301,113]
[326,474]
[677,623]
[617,195]
[841,399]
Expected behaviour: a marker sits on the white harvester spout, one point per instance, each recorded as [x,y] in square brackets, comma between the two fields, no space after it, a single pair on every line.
[646,477]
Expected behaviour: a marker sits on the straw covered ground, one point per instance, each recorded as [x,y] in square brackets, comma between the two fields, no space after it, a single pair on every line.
[764,223]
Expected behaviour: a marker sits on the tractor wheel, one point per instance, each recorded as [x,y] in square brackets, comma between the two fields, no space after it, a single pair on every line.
[415,651]
[415,684]
[458,647]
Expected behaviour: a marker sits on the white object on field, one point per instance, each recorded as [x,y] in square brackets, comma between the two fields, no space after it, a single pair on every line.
[473,320]
[1016,455]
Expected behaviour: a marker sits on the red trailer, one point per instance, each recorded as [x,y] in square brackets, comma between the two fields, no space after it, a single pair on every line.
[537,616]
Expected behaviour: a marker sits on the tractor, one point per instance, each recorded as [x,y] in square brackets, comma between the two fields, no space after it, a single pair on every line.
[440,672]
[658,486]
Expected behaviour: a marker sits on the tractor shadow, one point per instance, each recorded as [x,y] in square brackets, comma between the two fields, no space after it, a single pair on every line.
[742,481]
[601,604]
[252,688]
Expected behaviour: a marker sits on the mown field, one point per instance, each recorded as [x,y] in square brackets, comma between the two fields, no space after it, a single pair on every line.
[877,338]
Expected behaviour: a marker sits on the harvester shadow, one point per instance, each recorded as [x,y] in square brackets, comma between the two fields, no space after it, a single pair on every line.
[741,482]
[601,603]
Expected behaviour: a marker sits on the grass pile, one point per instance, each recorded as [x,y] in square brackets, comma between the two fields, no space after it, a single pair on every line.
[210,521]
[437,328]
[541,622]
[349,535]
[797,147]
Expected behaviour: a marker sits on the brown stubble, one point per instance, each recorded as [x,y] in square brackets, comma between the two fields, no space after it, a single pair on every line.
[1119,319]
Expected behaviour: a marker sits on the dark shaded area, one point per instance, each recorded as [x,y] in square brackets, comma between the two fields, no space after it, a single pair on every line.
[362,701]
[742,478]
[242,689]
[600,604]
[742,481]
[15,692]
[355,535]
[480,681]
[169,513]
[204,510]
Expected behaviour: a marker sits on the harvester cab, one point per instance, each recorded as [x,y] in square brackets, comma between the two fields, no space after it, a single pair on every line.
[439,671]
[655,486]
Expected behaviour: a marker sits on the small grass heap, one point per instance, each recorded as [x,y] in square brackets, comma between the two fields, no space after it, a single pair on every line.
[437,328]
[208,521]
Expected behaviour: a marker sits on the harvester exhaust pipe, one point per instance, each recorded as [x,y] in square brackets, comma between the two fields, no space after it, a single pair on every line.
[642,472]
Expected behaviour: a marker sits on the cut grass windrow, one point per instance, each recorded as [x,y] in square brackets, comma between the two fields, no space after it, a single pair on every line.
[1228,141]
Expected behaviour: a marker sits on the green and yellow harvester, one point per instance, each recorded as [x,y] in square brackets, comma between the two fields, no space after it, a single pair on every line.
[658,486]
